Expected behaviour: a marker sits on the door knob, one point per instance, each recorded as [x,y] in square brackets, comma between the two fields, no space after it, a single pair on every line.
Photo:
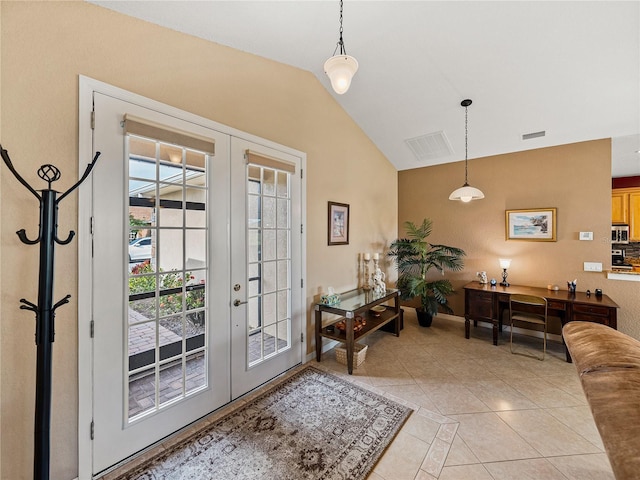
[237,303]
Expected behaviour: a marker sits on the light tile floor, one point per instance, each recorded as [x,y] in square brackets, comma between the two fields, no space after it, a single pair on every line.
[480,412]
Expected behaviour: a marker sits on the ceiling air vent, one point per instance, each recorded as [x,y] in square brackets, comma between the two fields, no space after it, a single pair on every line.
[430,146]
[529,136]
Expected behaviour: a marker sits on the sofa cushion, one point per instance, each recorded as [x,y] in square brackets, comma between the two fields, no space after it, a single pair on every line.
[614,399]
[594,347]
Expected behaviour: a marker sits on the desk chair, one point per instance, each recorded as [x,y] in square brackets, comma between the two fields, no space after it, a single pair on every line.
[528,309]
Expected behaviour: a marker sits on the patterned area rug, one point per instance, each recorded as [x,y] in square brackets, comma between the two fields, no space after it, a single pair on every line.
[313,425]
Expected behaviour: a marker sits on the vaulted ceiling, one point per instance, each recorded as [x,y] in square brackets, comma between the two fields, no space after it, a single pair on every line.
[568,69]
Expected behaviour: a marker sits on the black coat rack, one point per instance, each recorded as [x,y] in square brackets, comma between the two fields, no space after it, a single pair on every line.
[45,308]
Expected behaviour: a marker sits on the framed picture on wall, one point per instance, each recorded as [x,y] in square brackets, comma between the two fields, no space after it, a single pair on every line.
[338,229]
[534,224]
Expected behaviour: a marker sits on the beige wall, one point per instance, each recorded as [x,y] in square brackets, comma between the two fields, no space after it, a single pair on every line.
[576,179]
[45,46]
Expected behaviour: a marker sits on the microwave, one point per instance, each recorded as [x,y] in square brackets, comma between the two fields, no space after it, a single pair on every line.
[619,233]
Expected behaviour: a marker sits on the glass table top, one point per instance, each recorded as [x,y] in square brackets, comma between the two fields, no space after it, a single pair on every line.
[355,299]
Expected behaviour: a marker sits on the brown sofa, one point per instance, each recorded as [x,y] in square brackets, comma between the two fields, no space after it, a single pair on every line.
[608,363]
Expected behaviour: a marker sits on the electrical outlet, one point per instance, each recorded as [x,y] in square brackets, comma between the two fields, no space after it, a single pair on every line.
[586,235]
[592,266]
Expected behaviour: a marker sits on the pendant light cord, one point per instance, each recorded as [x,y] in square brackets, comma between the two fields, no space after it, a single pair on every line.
[343,50]
[466,143]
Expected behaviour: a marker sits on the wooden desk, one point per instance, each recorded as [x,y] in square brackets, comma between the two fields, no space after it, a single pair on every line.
[486,303]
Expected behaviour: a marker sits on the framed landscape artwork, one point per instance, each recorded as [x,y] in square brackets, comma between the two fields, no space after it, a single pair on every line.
[534,224]
[338,224]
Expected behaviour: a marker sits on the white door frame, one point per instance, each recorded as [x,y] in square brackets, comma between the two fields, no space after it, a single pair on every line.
[85,153]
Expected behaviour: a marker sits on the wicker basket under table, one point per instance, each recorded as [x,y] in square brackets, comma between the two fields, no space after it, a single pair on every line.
[359,354]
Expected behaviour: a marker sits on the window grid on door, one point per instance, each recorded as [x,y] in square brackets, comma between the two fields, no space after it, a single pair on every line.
[167,312]
[268,263]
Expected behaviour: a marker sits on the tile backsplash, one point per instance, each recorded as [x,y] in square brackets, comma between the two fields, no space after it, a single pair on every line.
[631,250]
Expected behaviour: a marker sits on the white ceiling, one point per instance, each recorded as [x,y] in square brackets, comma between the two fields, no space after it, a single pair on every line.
[570,68]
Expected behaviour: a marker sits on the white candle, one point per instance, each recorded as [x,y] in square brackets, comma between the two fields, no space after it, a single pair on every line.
[367,256]
[376,256]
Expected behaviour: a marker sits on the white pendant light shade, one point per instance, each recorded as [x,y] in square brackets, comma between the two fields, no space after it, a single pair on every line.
[466,193]
[340,70]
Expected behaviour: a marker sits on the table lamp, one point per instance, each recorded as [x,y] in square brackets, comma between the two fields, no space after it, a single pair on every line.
[504,264]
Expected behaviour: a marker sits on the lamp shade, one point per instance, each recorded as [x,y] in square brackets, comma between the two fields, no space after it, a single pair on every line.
[505,262]
[340,69]
[466,193]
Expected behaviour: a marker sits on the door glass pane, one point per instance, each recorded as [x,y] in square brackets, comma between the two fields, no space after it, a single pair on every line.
[196,371]
[167,249]
[283,305]
[268,245]
[195,215]
[253,245]
[283,213]
[170,249]
[268,212]
[171,379]
[253,210]
[195,171]
[195,248]
[269,278]
[268,182]
[269,263]
[283,185]
[142,392]
[269,338]
[142,162]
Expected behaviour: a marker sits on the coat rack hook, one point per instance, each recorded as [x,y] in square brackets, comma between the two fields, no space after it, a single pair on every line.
[7,161]
[22,235]
[61,302]
[28,305]
[85,175]
[64,242]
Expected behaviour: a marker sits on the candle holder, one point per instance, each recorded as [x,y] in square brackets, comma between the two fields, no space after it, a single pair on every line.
[367,285]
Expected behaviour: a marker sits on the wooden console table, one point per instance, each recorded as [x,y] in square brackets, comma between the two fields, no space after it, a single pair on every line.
[357,303]
[486,303]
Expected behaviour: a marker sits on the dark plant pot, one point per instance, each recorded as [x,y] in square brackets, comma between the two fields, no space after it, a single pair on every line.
[424,318]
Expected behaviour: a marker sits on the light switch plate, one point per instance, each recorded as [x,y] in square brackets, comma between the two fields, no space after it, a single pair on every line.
[586,235]
[592,266]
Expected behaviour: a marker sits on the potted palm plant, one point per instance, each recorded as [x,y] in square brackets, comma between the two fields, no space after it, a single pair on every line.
[414,257]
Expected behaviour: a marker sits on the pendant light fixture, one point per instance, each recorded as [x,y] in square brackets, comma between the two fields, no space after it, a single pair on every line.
[466,192]
[342,67]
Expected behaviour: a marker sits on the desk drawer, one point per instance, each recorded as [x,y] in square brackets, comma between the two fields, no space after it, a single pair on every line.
[479,304]
[582,317]
[590,310]
[480,296]
[554,305]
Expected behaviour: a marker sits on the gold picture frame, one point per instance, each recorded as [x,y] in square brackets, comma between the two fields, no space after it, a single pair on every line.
[338,228]
[531,224]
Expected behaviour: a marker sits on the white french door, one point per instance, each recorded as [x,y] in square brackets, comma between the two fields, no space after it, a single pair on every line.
[161,359]
[266,254]
[195,273]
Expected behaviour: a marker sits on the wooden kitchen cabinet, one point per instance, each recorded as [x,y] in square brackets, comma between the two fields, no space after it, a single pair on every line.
[625,208]
[634,216]
[619,207]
